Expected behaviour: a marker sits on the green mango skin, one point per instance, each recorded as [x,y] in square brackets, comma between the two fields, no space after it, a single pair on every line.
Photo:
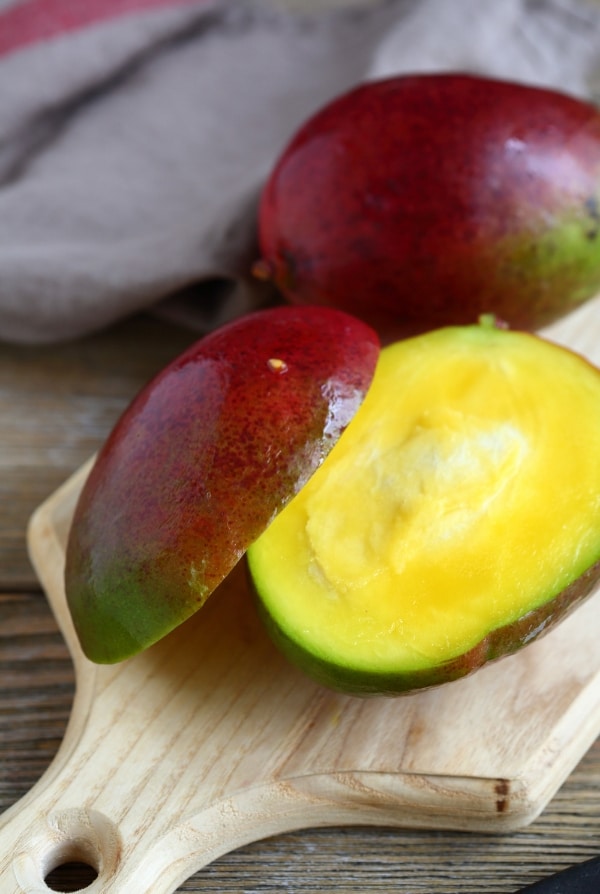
[422,201]
[199,464]
[498,644]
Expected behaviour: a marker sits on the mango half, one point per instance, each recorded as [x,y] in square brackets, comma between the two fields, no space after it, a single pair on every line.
[200,463]
[457,519]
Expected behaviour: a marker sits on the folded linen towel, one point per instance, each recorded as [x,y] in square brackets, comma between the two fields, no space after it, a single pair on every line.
[135,135]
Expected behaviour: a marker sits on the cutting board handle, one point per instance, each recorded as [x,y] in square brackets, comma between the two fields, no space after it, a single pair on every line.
[42,836]
[40,833]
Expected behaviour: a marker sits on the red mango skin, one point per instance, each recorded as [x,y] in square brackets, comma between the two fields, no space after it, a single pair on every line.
[423,201]
[200,463]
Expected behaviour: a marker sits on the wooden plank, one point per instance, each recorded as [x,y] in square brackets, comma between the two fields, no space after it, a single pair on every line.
[36,687]
[57,404]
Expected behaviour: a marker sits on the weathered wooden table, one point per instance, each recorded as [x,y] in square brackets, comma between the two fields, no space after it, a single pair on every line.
[57,405]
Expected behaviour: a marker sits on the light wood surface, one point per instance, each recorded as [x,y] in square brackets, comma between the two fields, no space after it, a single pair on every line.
[322,758]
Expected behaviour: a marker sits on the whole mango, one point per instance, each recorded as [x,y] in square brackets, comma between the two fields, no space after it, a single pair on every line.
[421,201]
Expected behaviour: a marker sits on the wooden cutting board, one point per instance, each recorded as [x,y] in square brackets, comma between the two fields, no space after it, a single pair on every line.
[210,740]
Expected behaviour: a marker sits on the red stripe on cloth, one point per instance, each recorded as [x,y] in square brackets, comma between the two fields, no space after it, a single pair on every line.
[37,20]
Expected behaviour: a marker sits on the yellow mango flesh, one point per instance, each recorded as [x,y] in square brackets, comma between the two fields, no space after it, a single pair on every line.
[464,494]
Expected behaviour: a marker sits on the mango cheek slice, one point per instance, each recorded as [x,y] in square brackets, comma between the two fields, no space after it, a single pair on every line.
[456,520]
[200,463]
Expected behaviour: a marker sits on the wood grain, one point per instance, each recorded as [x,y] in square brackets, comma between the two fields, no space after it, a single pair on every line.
[37,686]
[57,404]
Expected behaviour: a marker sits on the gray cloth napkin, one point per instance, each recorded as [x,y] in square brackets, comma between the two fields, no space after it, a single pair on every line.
[135,135]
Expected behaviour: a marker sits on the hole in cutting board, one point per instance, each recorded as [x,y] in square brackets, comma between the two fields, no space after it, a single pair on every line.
[74,849]
[71,877]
